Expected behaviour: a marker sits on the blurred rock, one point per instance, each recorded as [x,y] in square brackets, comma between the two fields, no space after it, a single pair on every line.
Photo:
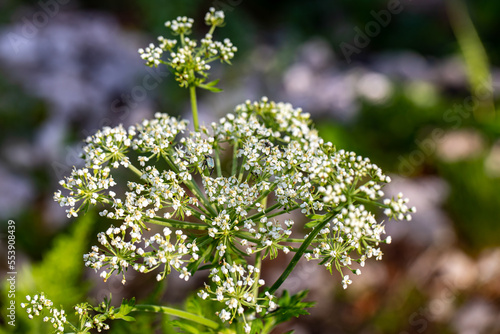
[477,316]
[374,87]
[457,269]
[489,271]
[460,145]
[437,269]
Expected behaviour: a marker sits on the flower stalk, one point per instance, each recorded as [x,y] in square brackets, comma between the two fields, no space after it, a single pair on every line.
[194,107]
[177,313]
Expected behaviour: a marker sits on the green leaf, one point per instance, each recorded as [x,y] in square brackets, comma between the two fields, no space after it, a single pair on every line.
[315,220]
[193,305]
[85,207]
[316,217]
[257,326]
[211,86]
[59,274]
[212,89]
[212,83]
[312,223]
[125,308]
[185,327]
[125,317]
[127,305]
[291,306]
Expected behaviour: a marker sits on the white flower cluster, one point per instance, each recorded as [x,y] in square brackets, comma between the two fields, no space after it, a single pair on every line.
[190,61]
[276,155]
[156,251]
[152,54]
[181,25]
[85,186]
[108,144]
[270,235]
[37,304]
[353,229]
[156,136]
[397,208]
[226,189]
[233,200]
[214,17]
[180,182]
[97,321]
[228,192]
[235,287]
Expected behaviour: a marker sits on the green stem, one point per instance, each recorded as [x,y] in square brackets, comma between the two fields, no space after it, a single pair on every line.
[294,240]
[176,223]
[194,107]
[176,313]
[368,202]
[135,170]
[279,213]
[217,161]
[193,187]
[263,212]
[211,31]
[261,197]
[258,255]
[240,170]
[269,325]
[235,159]
[300,252]
[257,264]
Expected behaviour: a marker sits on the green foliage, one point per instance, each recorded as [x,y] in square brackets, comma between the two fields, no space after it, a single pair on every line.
[476,60]
[291,306]
[473,202]
[126,307]
[144,323]
[58,274]
[202,307]
[63,264]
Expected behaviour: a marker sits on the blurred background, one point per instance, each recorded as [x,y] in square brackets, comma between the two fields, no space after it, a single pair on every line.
[411,84]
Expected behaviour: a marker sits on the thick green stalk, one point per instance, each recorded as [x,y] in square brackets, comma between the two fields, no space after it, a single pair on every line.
[300,252]
[177,313]
[194,107]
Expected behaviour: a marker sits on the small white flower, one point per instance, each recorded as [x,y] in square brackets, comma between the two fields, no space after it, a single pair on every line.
[346,281]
